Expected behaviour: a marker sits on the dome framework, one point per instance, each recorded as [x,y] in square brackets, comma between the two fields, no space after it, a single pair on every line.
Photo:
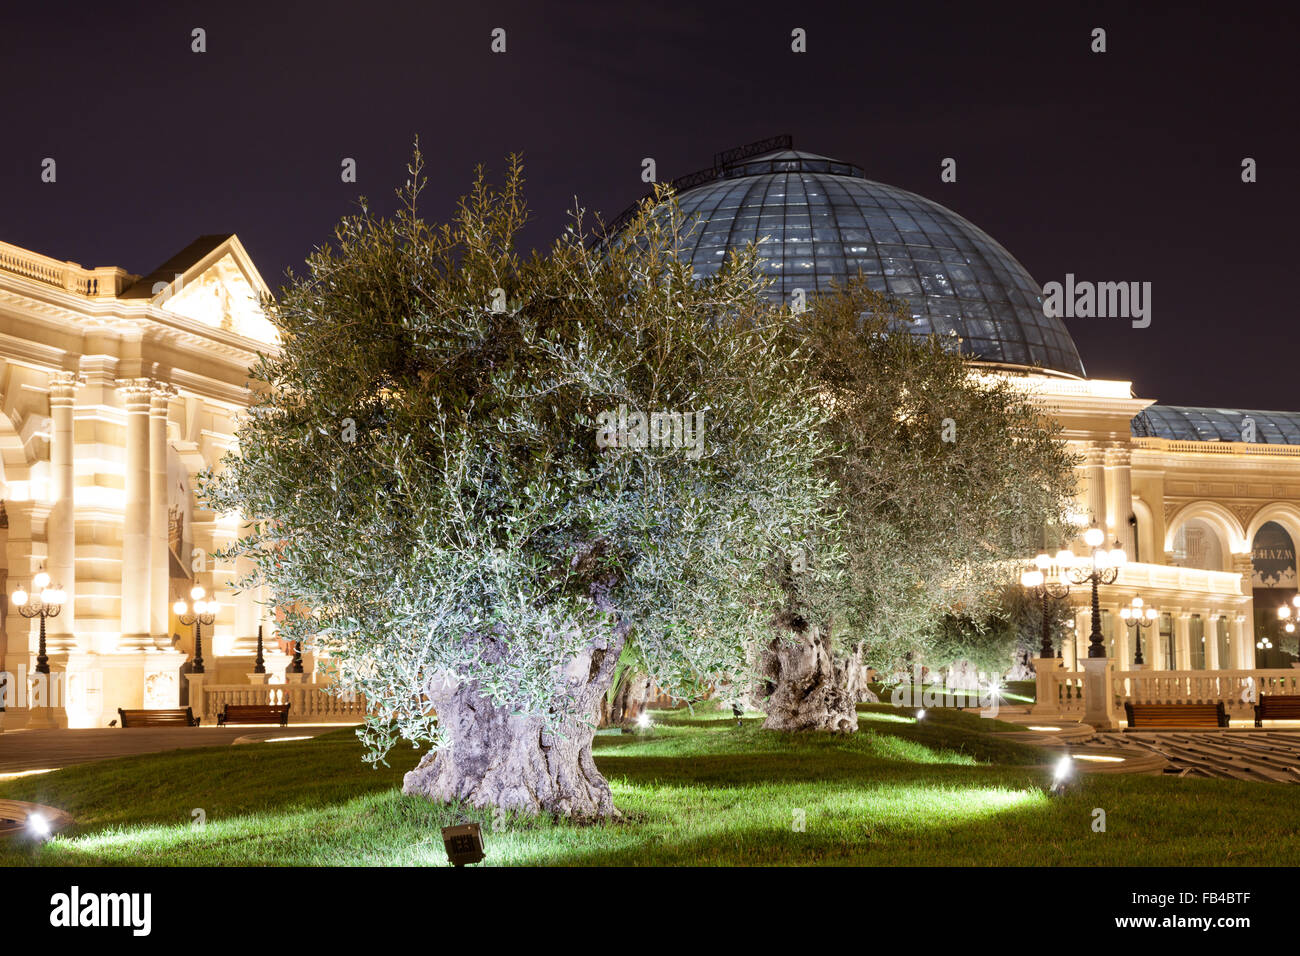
[819,221]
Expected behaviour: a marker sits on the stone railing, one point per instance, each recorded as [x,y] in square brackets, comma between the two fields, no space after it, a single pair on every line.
[105,282]
[1183,447]
[1238,689]
[1168,577]
[1060,691]
[308,703]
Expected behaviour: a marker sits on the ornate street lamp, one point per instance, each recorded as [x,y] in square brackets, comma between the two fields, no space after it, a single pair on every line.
[198,613]
[1285,613]
[1103,569]
[1047,579]
[50,603]
[1137,616]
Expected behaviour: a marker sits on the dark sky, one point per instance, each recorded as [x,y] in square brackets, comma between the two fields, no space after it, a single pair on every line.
[1123,166]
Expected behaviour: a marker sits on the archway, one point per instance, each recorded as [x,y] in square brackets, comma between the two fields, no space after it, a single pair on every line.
[1273,581]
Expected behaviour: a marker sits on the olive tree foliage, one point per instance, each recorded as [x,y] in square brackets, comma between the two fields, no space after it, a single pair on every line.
[942,475]
[424,490]
[1006,627]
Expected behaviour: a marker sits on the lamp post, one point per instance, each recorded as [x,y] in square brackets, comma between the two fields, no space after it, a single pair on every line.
[1287,614]
[1103,569]
[1047,579]
[50,603]
[1137,616]
[198,613]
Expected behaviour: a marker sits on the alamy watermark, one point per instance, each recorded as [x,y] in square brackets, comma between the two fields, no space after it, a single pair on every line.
[931,696]
[1099,300]
[626,428]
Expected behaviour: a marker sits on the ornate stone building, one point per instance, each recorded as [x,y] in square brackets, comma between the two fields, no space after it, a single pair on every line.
[1187,492]
[117,391]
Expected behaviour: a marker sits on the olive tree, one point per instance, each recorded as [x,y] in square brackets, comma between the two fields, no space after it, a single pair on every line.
[470,474]
[942,475]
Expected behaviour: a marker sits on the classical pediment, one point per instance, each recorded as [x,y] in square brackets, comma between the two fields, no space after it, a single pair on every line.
[212,282]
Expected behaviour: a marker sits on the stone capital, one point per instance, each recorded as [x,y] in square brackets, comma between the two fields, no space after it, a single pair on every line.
[1119,455]
[137,393]
[160,398]
[63,387]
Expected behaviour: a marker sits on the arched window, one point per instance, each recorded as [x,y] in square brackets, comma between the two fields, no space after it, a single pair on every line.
[1197,545]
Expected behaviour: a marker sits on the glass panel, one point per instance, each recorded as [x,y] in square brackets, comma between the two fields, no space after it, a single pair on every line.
[947,270]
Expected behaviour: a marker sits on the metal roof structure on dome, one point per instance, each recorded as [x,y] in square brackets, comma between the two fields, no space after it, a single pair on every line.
[819,220]
[1185,423]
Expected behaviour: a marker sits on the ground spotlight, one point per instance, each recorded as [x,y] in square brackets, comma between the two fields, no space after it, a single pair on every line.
[643,721]
[1062,775]
[38,825]
[464,843]
[920,714]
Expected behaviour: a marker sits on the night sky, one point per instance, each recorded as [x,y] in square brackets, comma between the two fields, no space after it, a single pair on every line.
[1122,166]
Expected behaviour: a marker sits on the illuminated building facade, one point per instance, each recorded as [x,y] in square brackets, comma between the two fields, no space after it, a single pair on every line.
[1189,493]
[118,390]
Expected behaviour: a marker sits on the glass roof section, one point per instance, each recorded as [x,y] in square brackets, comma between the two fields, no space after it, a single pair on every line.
[1183,423]
[818,220]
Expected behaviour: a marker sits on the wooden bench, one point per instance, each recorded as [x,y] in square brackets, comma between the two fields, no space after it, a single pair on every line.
[1283,707]
[163,717]
[1175,715]
[254,714]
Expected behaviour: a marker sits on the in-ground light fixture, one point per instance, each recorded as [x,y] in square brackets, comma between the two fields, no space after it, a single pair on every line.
[1062,774]
[463,843]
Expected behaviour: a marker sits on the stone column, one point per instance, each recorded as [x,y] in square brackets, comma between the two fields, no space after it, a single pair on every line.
[1082,626]
[1098,695]
[61,525]
[159,560]
[1212,641]
[136,396]
[1123,645]
[1095,478]
[1243,638]
[1120,481]
[1182,641]
[1045,697]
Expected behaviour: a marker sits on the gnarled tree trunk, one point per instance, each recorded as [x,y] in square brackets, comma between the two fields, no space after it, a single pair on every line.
[857,675]
[803,686]
[631,694]
[495,758]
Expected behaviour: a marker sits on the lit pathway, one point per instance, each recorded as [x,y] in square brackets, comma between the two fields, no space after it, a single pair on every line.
[1272,755]
[48,749]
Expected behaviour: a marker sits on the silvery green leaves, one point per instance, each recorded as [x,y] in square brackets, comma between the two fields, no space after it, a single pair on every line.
[429,504]
[942,475]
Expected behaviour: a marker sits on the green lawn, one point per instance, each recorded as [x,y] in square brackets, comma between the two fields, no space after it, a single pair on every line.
[694,790]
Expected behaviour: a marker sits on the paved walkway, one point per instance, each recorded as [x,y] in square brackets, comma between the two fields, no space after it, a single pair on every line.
[50,749]
[1247,754]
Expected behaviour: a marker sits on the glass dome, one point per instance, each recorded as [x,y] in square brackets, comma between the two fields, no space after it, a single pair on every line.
[1183,423]
[818,220]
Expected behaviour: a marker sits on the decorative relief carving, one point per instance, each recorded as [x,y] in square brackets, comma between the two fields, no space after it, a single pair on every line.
[1243,513]
[175,529]
[161,689]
